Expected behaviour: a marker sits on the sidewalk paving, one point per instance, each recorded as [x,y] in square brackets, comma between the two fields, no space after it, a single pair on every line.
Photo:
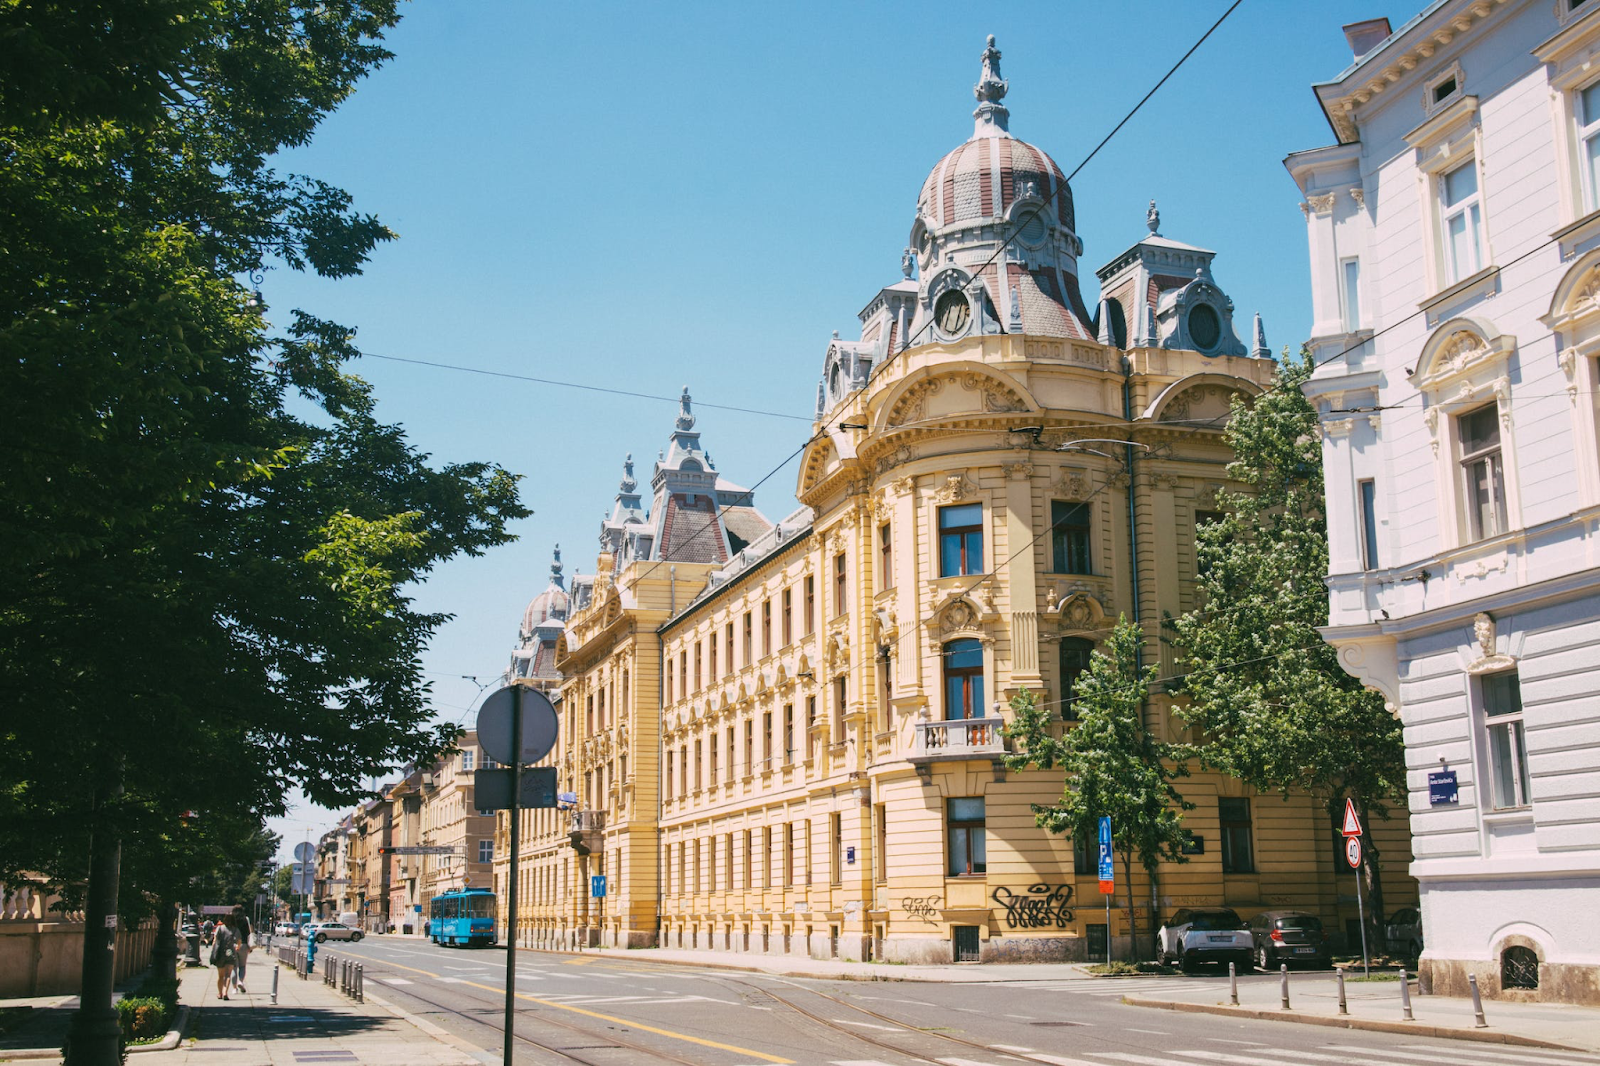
[311,1023]
[1375,1005]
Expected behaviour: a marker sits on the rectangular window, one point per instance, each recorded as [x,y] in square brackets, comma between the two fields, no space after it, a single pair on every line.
[1508,755]
[964,819]
[727,862]
[885,691]
[749,638]
[683,770]
[766,627]
[766,855]
[788,617]
[961,539]
[713,767]
[699,751]
[1350,291]
[466,761]
[811,604]
[963,680]
[486,851]
[748,861]
[839,585]
[835,849]
[749,746]
[1233,817]
[766,738]
[838,709]
[711,656]
[1085,863]
[1461,220]
[1589,141]
[1069,533]
[880,856]
[730,754]
[788,854]
[683,674]
[885,557]
[727,648]
[788,730]
[1368,492]
[1483,475]
[697,666]
[1074,660]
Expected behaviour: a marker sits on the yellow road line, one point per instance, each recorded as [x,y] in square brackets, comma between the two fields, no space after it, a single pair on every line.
[595,1014]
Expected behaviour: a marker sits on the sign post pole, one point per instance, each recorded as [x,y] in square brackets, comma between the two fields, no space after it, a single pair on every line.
[511,874]
[1107,871]
[1352,853]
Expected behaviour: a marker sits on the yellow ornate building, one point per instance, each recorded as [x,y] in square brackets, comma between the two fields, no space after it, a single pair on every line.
[787,738]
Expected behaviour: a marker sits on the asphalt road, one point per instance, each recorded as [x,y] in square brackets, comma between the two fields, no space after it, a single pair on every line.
[607,1011]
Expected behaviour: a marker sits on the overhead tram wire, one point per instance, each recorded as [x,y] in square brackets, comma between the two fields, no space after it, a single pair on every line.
[1065,183]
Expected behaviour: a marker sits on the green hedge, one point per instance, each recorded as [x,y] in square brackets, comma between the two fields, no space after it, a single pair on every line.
[147,1014]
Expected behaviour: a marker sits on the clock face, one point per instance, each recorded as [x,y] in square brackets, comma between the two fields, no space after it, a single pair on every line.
[951,312]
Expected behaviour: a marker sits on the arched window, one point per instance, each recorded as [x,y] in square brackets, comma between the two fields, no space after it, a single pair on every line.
[1075,652]
[963,680]
[1519,968]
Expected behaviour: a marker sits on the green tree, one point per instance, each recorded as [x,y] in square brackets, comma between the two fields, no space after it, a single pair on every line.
[1266,692]
[1111,762]
[207,535]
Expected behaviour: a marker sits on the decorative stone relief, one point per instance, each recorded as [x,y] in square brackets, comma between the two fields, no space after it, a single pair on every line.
[1074,484]
[885,463]
[1020,471]
[1338,427]
[888,622]
[903,486]
[1568,361]
[1487,660]
[1322,205]
[910,407]
[1359,195]
[956,487]
[1080,611]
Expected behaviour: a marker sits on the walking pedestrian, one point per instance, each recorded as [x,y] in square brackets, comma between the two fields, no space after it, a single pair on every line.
[224,954]
[241,925]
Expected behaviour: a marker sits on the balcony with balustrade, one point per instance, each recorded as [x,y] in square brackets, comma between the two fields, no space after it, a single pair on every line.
[961,738]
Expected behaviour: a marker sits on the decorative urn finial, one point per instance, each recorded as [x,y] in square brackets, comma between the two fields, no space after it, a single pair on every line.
[1152,218]
[991,118]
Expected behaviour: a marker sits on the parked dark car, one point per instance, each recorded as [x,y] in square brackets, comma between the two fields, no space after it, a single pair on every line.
[1292,937]
[1193,937]
[1404,932]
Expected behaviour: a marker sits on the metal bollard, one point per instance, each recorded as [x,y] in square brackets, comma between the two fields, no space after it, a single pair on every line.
[361,982]
[1343,1007]
[1283,983]
[1233,985]
[1478,1020]
[1405,997]
[275,985]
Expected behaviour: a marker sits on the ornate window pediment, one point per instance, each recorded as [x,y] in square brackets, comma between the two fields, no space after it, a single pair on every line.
[1079,612]
[957,389]
[1461,348]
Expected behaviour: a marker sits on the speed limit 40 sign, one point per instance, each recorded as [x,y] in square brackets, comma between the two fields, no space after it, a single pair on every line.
[1352,851]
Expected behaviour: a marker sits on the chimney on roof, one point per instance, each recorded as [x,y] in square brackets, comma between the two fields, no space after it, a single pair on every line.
[1363,37]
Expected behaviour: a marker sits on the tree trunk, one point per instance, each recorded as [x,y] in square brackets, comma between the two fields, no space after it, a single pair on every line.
[95,1035]
[1372,877]
[1155,913]
[164,953]
[1133,922]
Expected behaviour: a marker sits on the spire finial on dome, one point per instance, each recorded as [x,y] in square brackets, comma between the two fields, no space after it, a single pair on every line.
[1259,349]
[1152,218]
[991,119]
[555,568]
[629,483]
[685,414]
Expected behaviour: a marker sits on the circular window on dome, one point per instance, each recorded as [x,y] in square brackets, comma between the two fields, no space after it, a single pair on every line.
[1032,229]
[952,311]
[1205,328]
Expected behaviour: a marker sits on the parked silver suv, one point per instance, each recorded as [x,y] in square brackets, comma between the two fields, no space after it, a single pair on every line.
[1194,936]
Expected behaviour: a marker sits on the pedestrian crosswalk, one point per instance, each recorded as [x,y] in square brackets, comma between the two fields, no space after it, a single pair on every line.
[1267,1055]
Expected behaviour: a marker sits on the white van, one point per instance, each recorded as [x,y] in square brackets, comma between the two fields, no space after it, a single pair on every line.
[349,918]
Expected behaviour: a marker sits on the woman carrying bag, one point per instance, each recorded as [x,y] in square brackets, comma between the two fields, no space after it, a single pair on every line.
[224,955]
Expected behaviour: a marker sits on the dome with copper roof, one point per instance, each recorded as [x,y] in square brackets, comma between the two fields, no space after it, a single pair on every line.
[550,607]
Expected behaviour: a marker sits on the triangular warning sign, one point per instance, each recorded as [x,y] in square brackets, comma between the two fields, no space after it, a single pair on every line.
[1352,824]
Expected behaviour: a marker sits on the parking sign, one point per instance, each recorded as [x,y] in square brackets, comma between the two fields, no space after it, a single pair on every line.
[1107,877]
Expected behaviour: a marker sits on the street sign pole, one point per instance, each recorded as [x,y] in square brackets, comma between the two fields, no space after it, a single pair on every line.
[511,875]
[1107,871]
[1352,839]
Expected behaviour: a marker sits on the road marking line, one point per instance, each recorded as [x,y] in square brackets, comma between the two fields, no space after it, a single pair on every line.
[1246,1043]
[869,1025]
[1521,1054]
[1152,1032]
[1143,1060]
[395,980]
[596,1014]
[1062,1060]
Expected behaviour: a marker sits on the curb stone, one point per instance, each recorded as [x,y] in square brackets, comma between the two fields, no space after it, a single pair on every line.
[1443,1032]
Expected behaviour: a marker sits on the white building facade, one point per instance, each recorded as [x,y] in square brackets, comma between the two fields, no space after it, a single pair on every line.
[1454,233]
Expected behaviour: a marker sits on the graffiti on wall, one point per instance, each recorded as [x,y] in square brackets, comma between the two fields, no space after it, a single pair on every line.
[1040,907]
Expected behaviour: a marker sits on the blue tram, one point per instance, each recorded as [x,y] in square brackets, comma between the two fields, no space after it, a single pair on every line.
[466,916]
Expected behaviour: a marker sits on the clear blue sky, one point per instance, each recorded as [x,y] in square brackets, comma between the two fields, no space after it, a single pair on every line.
[652,195]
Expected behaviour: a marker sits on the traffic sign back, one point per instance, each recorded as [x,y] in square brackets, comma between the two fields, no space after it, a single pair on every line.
[539,725]
[1352,824]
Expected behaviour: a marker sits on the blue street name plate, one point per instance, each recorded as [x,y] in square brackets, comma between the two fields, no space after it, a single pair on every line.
[1442,787]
